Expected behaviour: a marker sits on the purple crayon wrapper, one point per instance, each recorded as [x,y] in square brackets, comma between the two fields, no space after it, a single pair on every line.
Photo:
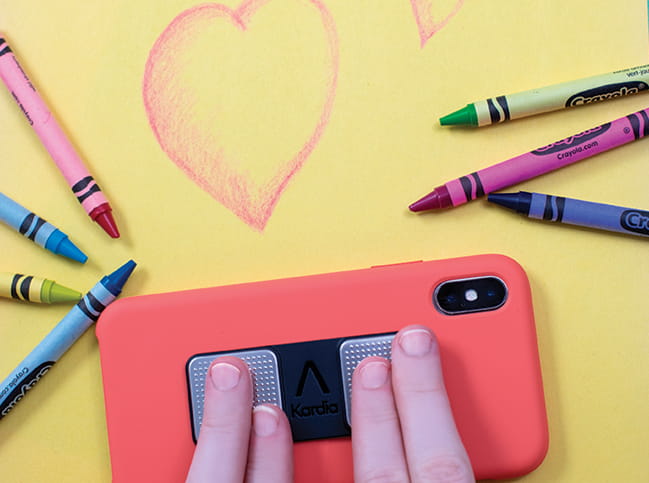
[589,214]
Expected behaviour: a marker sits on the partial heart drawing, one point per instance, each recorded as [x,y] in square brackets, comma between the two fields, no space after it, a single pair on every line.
[239,98]
[427,22]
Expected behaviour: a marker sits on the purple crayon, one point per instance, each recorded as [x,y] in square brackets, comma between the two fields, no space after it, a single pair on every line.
[540,161]
[575,212]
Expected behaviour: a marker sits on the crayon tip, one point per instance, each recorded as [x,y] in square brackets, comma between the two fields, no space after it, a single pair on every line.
[54,293]
[519,202]
[467,116]
[436,199]
[107,222]
[428,202]
[103,216]
[116,280]
[508,200]
[70,250]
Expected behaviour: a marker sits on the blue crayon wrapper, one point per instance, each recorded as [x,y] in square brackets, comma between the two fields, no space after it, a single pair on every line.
[24,221]
[589,214]
[53,346]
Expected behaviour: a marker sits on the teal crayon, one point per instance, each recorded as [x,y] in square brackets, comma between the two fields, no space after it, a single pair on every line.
[551,98]
[41,359]
[38,230]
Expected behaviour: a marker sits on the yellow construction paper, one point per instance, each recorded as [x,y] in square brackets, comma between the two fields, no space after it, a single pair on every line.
[313,133]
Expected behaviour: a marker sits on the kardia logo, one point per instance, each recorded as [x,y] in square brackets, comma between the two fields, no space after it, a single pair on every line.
[322,409]
[326,406]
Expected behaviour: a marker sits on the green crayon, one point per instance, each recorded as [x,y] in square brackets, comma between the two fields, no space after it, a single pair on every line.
[35,289]
[559,96]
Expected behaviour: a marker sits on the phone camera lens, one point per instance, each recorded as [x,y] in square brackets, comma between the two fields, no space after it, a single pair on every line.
[470,295]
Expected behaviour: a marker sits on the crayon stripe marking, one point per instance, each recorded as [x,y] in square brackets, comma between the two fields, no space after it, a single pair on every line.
[466,187]
[91,307]
[479,189]
[27,222]
[24,287]
[493,111]
[37,226]
[85,188]
[87,194]
[505,107]
[14,285]
[547,209]
[4,48]
[561,206]
[82,183]
[645,118]
[31,226]
[95,303]
[635,125]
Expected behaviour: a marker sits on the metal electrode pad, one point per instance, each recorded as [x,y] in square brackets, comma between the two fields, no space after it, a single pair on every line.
[310,381]
[263,370]
[352,352]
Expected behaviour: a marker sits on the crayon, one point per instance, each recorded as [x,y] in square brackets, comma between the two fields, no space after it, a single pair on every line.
[35,289]
[542,160]
[38,230]
[575,212]
[53,138]
[41,359]
[559,96]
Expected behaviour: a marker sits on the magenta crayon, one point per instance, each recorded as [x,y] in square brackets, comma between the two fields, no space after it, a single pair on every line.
[540,161]
[57,144]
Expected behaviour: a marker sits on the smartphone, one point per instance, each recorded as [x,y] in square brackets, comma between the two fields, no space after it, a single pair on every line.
[155,351]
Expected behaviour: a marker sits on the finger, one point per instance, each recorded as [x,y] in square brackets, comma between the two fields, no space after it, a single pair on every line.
[434,451]
[222,447]
[270,456]
[376,437]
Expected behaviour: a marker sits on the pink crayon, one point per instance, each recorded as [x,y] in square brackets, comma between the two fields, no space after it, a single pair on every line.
[63,153]
[540,161]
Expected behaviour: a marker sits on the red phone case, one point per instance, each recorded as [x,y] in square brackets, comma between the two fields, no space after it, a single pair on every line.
[490,360]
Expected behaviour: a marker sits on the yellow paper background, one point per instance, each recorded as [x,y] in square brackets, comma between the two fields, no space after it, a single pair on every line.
[346,208]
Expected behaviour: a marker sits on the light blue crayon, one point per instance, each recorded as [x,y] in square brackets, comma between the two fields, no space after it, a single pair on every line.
[38,230]
[61,338]
[576,212]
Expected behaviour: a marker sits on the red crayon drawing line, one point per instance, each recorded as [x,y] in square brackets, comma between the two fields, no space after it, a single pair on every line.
[169,102]
[428,26]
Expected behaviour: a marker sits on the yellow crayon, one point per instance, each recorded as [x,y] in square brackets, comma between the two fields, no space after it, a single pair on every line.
[35,289]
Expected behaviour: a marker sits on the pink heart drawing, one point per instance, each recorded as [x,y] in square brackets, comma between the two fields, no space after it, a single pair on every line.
[212,113]
[428,23]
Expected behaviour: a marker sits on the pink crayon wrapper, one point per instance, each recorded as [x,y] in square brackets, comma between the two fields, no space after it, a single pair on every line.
[549,158]
[48,130]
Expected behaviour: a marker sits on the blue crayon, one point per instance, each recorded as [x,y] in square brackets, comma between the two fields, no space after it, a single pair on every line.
[61,338]
[576,212]
[38,230]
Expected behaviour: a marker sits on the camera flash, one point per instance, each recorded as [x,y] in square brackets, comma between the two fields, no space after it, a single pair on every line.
[471,295]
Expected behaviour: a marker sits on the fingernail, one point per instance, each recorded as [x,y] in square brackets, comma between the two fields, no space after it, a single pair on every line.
[416,342]
[374,374]
[225,376]
[264,421]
